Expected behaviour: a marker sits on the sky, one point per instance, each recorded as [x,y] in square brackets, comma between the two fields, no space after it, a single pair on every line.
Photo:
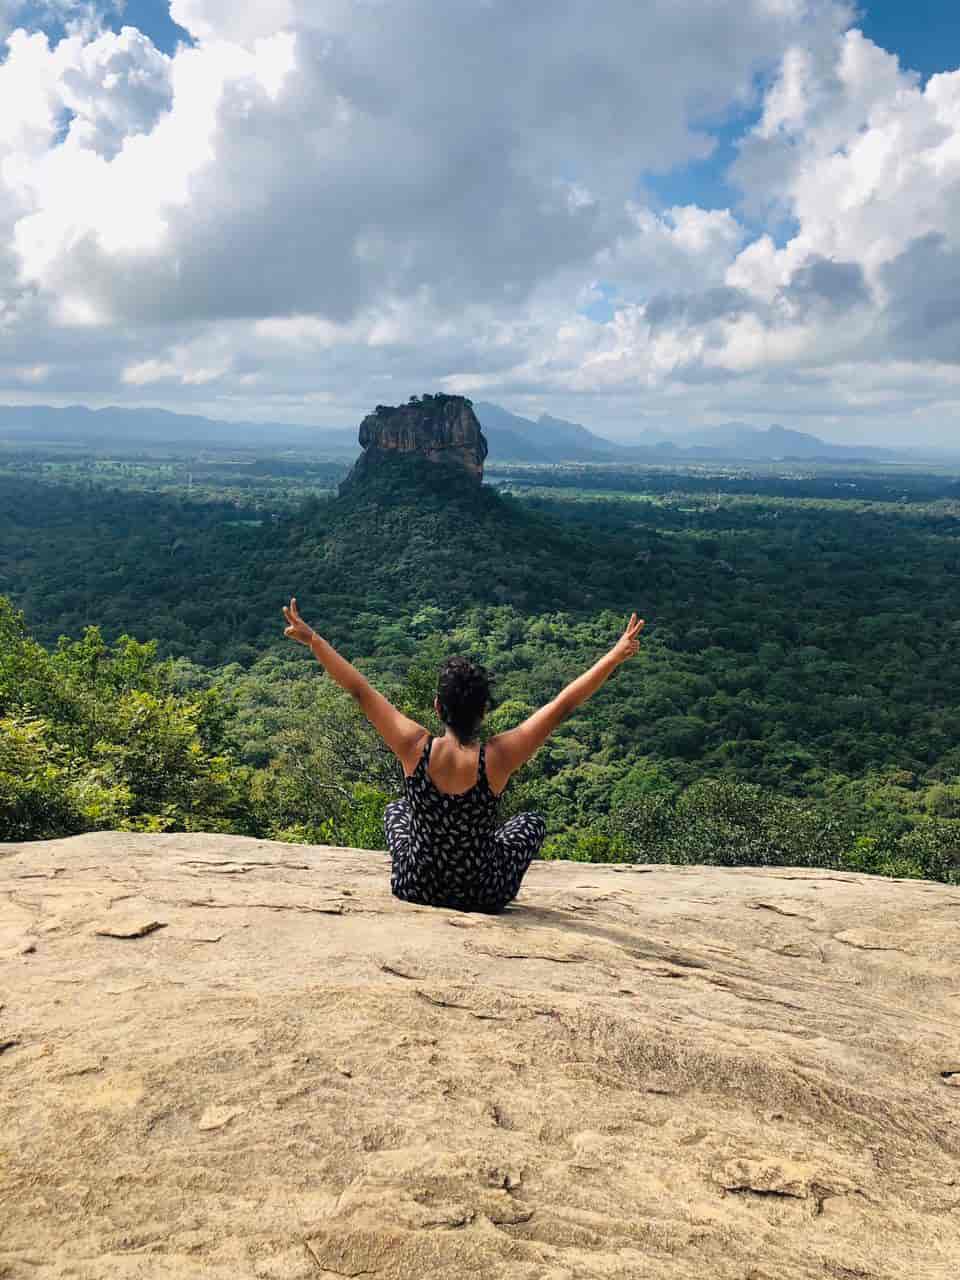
[659,216]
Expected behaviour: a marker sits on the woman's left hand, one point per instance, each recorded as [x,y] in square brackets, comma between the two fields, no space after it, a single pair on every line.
[296,628]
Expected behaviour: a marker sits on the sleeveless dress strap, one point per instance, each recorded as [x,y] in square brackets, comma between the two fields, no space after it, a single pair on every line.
[482,770]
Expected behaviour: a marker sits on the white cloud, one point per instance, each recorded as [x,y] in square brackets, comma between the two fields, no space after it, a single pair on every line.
[683,248]
[227,20]
[323,205]
[147,371]
[340,155]
[868,165]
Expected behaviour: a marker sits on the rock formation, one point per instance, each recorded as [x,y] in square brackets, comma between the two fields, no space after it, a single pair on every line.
[439,428]
[223,1057]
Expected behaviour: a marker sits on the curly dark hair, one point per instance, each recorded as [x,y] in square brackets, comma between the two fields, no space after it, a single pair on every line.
[463,692]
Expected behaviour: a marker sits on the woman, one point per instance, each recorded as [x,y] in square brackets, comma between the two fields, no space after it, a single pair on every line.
[446,848]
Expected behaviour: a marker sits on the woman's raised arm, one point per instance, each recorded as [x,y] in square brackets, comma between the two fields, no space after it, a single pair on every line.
[516,746]
[401,734]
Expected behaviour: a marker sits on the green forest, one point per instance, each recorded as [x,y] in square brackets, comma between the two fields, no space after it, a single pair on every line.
[794,701]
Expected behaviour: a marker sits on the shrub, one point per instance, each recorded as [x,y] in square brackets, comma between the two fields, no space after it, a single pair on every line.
[45,791]
[586,845]
[724,823]
[93,736]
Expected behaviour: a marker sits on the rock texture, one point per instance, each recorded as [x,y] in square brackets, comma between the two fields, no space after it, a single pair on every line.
[226,1058]
[438,428]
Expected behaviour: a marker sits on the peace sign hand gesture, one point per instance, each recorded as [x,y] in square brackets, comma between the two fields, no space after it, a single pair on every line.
[297,629]
[629,642]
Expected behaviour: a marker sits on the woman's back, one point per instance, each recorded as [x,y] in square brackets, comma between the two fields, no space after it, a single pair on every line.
[446,847]
[455,769]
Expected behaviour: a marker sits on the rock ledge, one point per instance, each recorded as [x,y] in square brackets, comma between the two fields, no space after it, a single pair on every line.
[223,1057]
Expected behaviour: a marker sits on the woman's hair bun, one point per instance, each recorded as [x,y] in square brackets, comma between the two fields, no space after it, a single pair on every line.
[463,691]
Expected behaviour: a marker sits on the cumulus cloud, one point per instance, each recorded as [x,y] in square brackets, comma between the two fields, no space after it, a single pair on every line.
[316,204]
[339,155]
[866,161]
[923,287]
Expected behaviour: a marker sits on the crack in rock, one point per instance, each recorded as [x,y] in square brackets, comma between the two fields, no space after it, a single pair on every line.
[766,1177]
[838,879]
[717,981]
[770,906]
[35,907]
[332,909]
[449,1004]
[228,862]
[332,1271]
[502,954]
[863,944]
[398,973]
[666,957]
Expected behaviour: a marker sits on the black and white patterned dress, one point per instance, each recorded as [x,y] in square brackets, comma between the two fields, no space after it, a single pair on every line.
[447,850]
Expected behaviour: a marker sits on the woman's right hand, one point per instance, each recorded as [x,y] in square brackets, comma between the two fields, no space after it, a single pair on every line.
[629,642]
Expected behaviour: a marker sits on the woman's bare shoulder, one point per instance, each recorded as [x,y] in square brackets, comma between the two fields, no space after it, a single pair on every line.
[498,770]
[411,755]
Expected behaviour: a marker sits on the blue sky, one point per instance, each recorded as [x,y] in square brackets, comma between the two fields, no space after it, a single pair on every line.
[153,18]
[925,34]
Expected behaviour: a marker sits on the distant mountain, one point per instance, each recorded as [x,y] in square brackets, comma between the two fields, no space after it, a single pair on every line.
[515,439]
[738,441]
[511,438]
[571,435]
[77,424]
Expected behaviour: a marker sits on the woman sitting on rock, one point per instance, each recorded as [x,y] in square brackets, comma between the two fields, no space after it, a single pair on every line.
[443,838]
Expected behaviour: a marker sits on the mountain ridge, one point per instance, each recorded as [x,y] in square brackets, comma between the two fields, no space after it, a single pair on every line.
[113,424]
[512,437]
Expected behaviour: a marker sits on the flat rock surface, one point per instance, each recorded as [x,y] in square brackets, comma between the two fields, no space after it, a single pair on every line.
[224,1057]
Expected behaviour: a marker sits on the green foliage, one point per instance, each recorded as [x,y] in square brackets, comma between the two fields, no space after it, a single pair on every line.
[595,844]
[724,823]
[793,700]
[873,855]
[47,791]
[362,822]
[327,775]
[644,779]
[93,736]
[356,822]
